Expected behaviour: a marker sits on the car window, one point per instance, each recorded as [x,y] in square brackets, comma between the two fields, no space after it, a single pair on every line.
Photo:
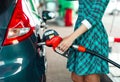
[4,4]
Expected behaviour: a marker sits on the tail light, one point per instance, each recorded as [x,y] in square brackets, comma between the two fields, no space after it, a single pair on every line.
[19,27]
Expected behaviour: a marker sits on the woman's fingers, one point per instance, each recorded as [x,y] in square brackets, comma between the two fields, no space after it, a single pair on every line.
[65,44]
[63,47]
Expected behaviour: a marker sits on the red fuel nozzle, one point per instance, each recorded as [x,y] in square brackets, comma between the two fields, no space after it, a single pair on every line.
[54,42]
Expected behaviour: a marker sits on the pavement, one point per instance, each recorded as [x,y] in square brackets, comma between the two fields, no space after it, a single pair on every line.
[56,70]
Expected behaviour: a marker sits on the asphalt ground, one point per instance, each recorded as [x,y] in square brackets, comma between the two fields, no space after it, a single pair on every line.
[56,70]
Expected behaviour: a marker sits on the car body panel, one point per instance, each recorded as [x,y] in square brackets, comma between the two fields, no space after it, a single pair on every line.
[28,64]
[20,57]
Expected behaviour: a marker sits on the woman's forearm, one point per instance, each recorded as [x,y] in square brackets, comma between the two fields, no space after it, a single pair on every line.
[67,41]
[79,31]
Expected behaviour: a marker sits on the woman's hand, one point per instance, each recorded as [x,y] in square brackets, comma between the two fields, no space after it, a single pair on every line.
[67,41]
[65,44]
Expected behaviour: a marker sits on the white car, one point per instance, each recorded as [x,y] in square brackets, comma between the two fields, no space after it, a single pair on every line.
[113,7]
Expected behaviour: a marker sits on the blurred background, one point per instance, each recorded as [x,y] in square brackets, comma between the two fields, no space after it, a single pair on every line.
[66,14]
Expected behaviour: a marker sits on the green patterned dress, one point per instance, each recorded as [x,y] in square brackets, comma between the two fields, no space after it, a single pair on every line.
[95,39]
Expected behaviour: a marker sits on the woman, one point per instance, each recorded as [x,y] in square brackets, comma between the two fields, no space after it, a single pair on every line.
[89,32]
